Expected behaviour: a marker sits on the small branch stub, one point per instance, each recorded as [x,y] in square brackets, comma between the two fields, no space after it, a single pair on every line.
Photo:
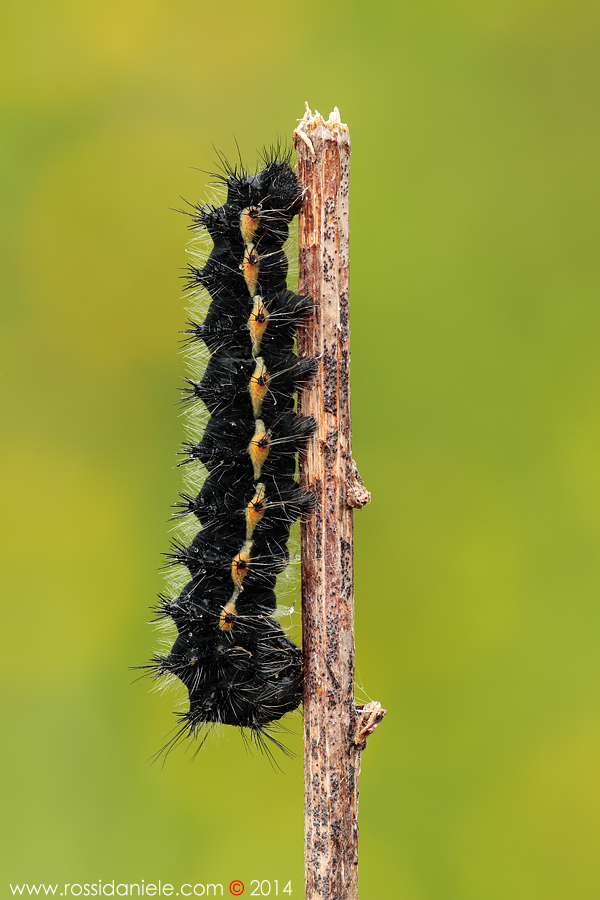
[357,494]
[335,729]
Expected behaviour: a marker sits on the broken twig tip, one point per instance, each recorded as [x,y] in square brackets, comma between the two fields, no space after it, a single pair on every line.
[311,121]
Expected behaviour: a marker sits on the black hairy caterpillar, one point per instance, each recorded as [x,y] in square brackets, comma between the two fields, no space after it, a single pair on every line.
[231,653]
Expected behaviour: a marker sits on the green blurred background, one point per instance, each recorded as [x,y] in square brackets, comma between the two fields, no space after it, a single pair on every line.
[476,393]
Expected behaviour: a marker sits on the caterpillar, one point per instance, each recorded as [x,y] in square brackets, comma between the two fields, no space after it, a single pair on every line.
[231,653]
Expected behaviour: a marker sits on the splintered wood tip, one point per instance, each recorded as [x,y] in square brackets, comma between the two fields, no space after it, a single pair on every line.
[312,120]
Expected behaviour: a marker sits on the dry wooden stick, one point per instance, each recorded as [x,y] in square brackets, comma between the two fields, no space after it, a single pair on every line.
[335,728]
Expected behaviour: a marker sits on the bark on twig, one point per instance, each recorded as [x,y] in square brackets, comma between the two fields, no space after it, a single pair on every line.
[335,729]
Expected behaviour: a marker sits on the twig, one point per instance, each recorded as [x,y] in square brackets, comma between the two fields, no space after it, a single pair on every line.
[335,728]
